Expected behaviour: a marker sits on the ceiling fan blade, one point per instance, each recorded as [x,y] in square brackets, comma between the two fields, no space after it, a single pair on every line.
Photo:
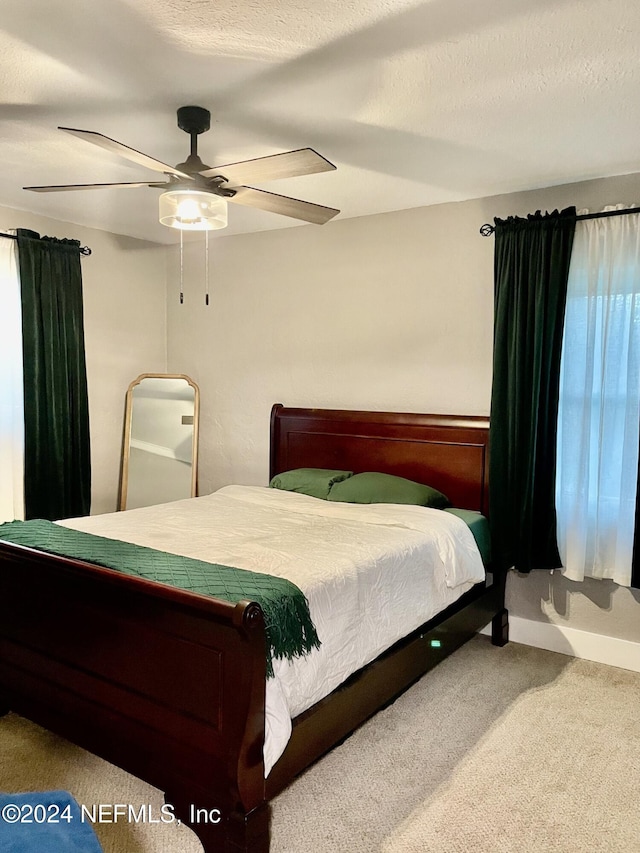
[315,213]
[64,187]
[125,151]
[290,164]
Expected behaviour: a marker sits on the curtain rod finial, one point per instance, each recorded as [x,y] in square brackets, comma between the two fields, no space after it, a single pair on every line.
[487,230]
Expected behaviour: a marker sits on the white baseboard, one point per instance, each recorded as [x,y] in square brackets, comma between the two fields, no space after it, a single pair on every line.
[574,642]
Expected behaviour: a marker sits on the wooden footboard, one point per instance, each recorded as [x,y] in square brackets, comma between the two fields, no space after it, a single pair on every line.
[167,684]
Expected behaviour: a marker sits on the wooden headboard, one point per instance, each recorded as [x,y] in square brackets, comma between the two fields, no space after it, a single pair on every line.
[448,452]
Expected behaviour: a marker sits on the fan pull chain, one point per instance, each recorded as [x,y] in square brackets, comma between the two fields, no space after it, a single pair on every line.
[181,269]
[206,267]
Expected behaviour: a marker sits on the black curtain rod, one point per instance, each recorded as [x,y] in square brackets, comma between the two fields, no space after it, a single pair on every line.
[84,250]
[487,230]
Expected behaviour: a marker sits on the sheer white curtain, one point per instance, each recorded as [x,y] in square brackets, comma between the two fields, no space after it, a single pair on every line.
[11,389]
[598,419]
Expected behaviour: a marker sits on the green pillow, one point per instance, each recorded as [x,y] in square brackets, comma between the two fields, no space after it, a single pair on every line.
[315,482]
[375,488]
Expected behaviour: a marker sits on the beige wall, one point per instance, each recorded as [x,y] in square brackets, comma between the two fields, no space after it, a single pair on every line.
[124,283]
[382,312]
[358,314]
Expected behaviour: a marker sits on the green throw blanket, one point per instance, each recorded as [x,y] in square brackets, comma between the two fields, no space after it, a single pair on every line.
[290,631]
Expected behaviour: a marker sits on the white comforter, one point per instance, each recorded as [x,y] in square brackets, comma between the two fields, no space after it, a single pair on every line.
[372,573]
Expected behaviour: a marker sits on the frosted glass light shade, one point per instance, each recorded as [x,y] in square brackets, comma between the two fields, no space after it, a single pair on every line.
[192,210]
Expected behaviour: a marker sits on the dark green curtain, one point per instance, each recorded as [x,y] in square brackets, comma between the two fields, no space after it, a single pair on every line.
[531,268]
[57,468]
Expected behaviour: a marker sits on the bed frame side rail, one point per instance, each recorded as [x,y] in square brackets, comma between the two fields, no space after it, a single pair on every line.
[332,719]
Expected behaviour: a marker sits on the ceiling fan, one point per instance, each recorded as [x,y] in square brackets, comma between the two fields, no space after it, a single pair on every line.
[195,194]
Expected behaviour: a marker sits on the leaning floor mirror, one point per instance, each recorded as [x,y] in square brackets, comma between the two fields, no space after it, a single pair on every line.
[160,446]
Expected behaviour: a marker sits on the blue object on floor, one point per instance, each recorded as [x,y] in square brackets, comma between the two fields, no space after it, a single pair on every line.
[55,826]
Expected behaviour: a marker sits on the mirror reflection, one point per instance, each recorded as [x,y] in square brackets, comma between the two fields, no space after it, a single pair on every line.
[160,450]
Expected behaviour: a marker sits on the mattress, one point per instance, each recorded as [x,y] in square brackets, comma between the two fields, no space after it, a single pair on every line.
[371,573]
[478,524]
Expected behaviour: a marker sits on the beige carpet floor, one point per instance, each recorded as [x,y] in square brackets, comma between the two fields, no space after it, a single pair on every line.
[512,750]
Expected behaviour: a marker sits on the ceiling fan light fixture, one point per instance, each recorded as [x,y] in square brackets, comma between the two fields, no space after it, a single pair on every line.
[193,210]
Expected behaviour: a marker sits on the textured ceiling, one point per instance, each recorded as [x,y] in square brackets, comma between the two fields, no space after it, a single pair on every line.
[415,103]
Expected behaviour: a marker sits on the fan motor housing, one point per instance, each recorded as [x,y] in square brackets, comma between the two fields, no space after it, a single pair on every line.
[194,119]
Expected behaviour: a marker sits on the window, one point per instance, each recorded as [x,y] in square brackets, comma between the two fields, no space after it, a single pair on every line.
[11,388]
[599,412]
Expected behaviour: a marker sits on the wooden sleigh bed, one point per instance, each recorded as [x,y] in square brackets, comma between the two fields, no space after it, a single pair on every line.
[170,685]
